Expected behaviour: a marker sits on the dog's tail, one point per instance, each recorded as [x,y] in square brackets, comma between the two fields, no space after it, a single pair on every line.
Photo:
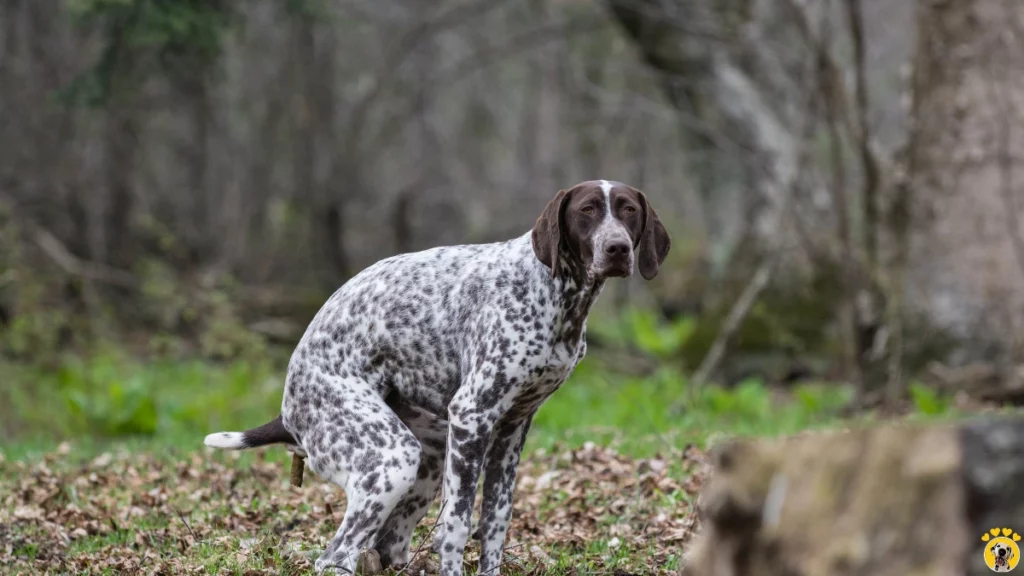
[272,432]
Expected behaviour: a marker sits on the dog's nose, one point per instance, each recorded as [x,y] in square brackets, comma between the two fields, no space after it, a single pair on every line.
[617,249]
[1002,551]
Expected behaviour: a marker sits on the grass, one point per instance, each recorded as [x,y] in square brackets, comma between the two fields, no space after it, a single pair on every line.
[110,399]
[107,474]
[174,511]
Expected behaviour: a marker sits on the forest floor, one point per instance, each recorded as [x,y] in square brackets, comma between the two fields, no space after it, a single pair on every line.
[102,470]
[588,510]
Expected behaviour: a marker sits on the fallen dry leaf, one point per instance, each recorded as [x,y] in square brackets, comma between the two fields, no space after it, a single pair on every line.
[145,514]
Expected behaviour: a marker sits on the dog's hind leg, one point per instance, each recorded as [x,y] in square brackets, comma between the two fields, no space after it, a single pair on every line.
[352,438]
[396,537]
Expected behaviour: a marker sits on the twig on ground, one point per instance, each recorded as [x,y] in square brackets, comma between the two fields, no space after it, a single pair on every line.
[185,522]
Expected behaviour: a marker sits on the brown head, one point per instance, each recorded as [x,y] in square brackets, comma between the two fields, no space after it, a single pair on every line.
[599,224]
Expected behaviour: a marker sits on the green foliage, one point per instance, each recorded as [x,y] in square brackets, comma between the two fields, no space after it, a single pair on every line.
[205,308]
[638,412]
[927,401]
[28,334]
[656,337]
[110,395]
[645,330]
[31,326]
[108,405]
[749,400]
[44,312]
[178,39]
[166,402]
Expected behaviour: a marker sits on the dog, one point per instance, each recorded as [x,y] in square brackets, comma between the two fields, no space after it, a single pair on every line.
[1002,555]
[424,371]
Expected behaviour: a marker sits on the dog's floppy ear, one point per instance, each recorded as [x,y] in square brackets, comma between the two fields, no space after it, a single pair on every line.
[547,232]
[654,240]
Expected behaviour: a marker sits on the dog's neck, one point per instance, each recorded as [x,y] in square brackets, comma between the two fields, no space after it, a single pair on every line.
[577,291]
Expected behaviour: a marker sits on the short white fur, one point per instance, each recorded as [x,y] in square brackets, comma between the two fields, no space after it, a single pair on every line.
[609,230]
[227,440]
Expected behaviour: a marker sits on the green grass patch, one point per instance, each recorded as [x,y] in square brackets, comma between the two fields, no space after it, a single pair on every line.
[111,398]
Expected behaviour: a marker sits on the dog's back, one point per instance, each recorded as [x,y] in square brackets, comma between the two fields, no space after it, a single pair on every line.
[403,323]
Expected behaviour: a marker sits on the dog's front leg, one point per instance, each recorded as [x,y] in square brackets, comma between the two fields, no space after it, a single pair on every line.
[499,484]
[469,433]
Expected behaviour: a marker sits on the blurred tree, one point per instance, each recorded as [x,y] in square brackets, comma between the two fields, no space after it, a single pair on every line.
[178,41]
[288,144]
[960,190]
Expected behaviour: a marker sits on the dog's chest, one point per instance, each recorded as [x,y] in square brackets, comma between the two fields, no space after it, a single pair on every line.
[546,373]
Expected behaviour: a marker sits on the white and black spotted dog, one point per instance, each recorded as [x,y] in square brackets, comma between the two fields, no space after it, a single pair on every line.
[427,368]
[1002,556]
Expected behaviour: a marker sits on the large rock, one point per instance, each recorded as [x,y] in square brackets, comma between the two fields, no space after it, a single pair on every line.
[894,500]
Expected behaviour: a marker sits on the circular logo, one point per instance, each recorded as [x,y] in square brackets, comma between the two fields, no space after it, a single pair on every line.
[1001,549]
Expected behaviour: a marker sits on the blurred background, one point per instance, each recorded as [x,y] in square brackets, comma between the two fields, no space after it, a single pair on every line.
[184,182]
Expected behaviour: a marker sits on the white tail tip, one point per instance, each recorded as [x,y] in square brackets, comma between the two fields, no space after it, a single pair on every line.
[228,440]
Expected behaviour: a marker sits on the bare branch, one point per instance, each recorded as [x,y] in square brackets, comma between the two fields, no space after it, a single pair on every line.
[185,522]
[869,161]
[482,59]
[68,262]
[736,316]
[405,46]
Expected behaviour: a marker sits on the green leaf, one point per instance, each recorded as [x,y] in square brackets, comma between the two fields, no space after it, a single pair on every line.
[927,401]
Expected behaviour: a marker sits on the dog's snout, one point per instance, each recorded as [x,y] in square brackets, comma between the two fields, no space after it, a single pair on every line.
[1002,552]
[617,249]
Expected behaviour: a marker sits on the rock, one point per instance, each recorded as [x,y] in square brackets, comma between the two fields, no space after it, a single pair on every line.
[993,467]
[893,500]
[422,565]
[369,563]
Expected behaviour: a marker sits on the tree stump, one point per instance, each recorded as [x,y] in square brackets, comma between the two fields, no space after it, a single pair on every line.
[886,501]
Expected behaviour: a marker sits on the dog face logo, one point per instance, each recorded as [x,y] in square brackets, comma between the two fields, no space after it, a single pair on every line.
[1001,549]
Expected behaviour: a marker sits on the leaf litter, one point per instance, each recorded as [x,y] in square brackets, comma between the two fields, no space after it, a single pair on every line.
[588,510]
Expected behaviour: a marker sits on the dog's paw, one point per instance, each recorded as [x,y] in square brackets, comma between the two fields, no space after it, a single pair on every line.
[367,564]
[328,565]
[325,566]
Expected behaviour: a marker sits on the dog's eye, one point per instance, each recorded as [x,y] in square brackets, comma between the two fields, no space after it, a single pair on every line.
[629,209]
[588,210]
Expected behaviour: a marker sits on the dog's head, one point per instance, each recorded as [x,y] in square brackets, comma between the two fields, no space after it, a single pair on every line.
[1002,554]
[597,225]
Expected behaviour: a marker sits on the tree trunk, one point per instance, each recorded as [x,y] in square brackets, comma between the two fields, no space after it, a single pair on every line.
[197,95]
[122,134]
[966,251]
[312,134]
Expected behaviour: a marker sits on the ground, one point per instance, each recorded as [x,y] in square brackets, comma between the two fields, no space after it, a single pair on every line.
[588,510]
[103,471]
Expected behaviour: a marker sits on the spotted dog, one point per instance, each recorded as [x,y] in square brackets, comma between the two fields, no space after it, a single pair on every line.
[424,371]
[1002,555]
